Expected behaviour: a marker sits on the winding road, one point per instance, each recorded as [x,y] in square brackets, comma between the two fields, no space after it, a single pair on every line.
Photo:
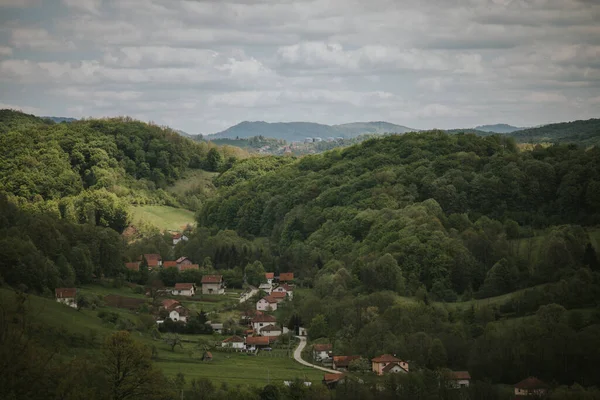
[298,357]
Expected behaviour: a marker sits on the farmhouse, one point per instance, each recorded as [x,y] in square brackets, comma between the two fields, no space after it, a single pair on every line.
[254,342]
[267,303]
[458,379]
[184,289]
[168,304]
[261,321]
[153,260]
[531,387]
[269,276]
[270,330]
[332,380]
[169,264]
[321,352]
[266,287]
[183,261]
[234,342]
[278,296]
[178,237]
[285,288]
[179,313]
[216,326]
[386,363]
[286,277]
[213,284]
[66,296]
[133,266]
[342,363]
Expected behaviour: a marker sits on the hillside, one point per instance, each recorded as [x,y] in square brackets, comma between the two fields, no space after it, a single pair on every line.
[298,131]
[583,132]
[498,128]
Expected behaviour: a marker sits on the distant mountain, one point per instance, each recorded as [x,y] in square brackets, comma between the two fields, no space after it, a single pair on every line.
[583,132]
[188,135]
[298,131]
[498,128]
[58,120]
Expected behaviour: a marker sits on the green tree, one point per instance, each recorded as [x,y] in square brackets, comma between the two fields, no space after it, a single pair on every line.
[437,354]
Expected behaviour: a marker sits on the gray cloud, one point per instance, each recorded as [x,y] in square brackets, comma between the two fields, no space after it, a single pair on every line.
[204,65]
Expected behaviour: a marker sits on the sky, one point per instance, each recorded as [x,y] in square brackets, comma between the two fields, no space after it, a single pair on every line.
[203,65]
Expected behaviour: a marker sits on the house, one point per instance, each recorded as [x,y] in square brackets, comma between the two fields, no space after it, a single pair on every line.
[458,379]
[168,304]
[179,313]
[270,330]
[169,264]
[234,342]
[248,315]
[286,277]
[342,363]
[153,260]
[213,284]
[261,321]
[178,237]
[278,296]
[133,266]
[387,363]
[285,288]
[269,276]
[217,327]
[321,351]
[254,342]
[183,261]
[267,303]
[188,267]
[184,289]
[66,296]
[302,331]
[331,380]
[207,356]
[266,287]
[531,387]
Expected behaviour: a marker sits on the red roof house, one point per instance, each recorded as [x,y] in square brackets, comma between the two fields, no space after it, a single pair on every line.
[153,260]
[133,266]
[169,264]
[286,277]
[343,362]
[530,387]
[388,363]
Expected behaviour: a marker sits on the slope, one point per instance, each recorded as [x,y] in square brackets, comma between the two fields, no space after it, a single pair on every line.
[583,132]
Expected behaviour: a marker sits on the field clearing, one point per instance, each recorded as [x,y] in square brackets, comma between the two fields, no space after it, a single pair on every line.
[101,291]
[196,181]
[163,217]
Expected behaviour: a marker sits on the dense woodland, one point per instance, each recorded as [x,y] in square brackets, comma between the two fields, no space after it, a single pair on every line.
[396,244]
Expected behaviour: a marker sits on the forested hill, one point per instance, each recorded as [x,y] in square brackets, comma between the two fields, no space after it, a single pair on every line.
[90,170]
[298,131]
[443,206]
[583,132]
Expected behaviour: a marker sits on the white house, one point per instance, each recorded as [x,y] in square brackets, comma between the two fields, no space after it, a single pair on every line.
[213,284]
[285,288]
[178,237]
[179,314]
[458,379]
[66,296]
[234,342]
[387,363]
[269,276]
[321,352]
[217,327]
[267,303]
[302,331]
[531,387]
[260,321]
[270,330]
[266,287]
[184,289]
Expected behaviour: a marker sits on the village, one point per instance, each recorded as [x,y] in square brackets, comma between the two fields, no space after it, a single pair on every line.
[256,329]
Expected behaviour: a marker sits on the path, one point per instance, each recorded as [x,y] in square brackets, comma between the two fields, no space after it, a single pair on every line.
[298,357]
[246,296]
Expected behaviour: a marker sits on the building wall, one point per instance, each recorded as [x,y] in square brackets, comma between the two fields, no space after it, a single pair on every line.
[176,292]
[174,315]
[271,333]
[212,288]
[263,305]
[233,345]
[70,301]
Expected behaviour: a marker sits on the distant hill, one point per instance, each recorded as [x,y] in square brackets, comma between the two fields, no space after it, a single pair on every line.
[498,128]
[298,131]
[583,132]
[58,120]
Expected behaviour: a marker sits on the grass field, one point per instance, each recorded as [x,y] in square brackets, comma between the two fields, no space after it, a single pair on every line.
[196,181]
[163,217]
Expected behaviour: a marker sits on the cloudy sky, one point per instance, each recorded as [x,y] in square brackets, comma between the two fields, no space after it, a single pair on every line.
[204,65]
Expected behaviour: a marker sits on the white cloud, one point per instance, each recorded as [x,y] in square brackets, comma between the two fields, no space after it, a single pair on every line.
[39,39]
[25,109]
[89,6]
[541,97]
[19,3]
[5,51]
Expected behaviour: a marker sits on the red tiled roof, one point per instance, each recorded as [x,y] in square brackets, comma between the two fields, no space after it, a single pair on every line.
[385,358]
[344,361]
[331,378]
[189,266]
[286,276]
[181,259]
[269,275]
[169,264]
[278,295]
[234,339]
[257,340]
[168,303]
[531,383]
[134,266]
[270,328]
[152,259]
[212,278]
[269,299]
[63,293]
[181,310]
[322,347]
[264,318]
[184,286]
[287,287]
[459,375]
